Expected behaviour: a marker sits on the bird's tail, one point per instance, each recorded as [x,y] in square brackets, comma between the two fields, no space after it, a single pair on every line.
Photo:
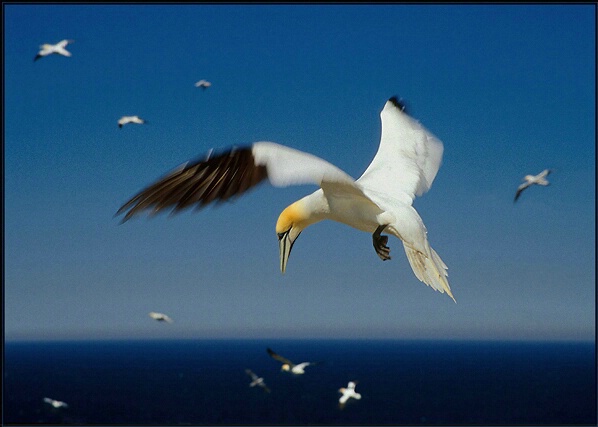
[430,270]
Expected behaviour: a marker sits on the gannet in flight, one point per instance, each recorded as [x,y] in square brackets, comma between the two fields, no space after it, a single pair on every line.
[348,392]
[55,403]
[160,317]
[49,49]
[130,119]
[204,84]
[404,166]
[531,180]
[255,380]
[287,365]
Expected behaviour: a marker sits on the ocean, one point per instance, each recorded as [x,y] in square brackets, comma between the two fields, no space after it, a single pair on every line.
[203,382]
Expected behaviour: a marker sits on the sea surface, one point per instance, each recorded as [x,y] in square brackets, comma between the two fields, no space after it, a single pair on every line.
[203,382]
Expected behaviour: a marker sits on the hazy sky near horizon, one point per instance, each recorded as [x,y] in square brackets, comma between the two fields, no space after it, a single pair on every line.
[509,89]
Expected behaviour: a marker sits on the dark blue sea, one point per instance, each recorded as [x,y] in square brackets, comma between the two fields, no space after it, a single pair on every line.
[204,383]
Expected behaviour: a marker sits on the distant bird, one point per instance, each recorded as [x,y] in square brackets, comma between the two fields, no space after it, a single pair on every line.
[255,380]
[348,392]
[287,365]
[204,84]
[531,180]
[55,403]
[130,119]
[405,165]
[49,49]
[160,317]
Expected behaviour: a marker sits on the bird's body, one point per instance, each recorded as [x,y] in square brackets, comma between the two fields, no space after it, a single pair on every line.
[204,84]
[289,366]
[530,180]
[130,119]
[348,393]
[257,381]
[404,167]
[160,317]
[49,49]
[55,403]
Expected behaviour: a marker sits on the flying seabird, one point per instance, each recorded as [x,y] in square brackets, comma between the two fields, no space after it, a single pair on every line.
[49,49]
[348,392]
[255,380]
[531,180]
[204,84]
[130,119]
[404,167]
[287,365]
[55,403]
[160,317]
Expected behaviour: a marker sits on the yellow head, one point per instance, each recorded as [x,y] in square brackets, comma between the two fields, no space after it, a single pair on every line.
[291,222]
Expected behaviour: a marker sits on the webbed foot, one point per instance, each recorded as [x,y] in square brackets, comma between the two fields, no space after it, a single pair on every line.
[380,242]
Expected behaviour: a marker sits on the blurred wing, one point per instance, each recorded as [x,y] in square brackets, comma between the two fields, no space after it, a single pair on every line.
[408,157]
[520,190]
[251,374]
[279,357]
[232,173]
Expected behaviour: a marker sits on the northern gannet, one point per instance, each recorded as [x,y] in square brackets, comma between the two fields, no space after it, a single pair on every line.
[49,49]
[55,403]
[531,180]
[287,365]
[130,119]
[348,392]
[160,317]
[255,380]
[404,166]
[204,84]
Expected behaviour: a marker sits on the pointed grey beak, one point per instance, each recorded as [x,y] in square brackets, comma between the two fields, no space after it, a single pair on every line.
[285,244]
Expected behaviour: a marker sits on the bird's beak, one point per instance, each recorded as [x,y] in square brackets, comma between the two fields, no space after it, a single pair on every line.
[285,244]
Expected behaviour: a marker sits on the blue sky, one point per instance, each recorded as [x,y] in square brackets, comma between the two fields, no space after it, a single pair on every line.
[509,89]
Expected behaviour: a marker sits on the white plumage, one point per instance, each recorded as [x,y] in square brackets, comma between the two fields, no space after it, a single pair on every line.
[130,119]
[530,180]
[405,165]
[348,393]
[49,49]
[55,403]
[161,317]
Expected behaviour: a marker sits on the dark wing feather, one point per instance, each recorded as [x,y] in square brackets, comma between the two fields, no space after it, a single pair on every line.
[279,357]
[213,179]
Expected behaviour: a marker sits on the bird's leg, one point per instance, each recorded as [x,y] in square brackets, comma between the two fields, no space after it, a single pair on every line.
[380,242]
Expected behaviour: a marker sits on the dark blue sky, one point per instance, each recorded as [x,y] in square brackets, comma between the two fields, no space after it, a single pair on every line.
[509,89]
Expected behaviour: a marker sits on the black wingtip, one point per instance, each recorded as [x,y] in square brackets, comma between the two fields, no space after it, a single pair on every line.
[399,103]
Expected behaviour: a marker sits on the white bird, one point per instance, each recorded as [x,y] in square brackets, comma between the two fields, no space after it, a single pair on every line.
[160,317]
[531,180]
[130,119]
[287,365]
[55,403]
[49,49]
[348,392]
[404,167]
[204,84]
[255,380]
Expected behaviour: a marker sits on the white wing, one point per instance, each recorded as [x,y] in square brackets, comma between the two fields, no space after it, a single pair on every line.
[288,166]
[232,173]
[408,157]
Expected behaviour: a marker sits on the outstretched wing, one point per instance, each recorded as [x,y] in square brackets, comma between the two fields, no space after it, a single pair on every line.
[251,374]
[408,157]
[520,190]
[232,173]
[278,357]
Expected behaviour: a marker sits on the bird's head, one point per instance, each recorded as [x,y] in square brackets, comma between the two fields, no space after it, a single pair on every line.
[289,226]
[285,367]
